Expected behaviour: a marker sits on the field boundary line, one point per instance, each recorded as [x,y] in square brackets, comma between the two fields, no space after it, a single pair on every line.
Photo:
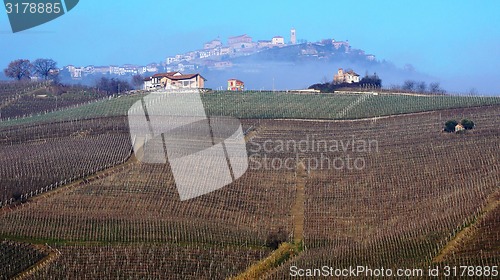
[51,257]
[80,182]
[278,257]
[469,231]
[353,105]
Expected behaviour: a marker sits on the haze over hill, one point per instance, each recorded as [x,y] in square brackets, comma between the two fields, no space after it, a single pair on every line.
[452,42]
[299,66]
[261,64]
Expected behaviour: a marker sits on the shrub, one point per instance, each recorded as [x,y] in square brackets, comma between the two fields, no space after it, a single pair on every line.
[275,238]
[17,195]
[449,126]
[467,124]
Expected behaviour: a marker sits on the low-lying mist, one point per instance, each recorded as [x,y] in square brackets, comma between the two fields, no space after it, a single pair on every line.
[269,75]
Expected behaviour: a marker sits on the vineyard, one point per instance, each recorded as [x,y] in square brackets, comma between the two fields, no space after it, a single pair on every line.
[16,257]
[24,99]
[140,204]
[352,188]
[272,105]
[40,158]
[480,244]
[10,91]
[412,197]
[144,261]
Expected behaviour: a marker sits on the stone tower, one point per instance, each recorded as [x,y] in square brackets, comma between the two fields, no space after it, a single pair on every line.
[293,36]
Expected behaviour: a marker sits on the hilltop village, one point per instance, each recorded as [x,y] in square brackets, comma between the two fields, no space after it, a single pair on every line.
[219,55]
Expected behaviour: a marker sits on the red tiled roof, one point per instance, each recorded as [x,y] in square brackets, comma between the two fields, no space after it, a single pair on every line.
[168,74]
[185,77]
[352,73]
[171,76]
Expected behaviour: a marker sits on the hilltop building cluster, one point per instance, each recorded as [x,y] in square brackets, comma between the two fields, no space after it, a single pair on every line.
[214,53]
[124,70]
[218,55]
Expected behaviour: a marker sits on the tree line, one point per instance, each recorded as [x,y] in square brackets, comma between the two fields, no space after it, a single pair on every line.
[419,87]
[374,82]
[23,69]
[46,69]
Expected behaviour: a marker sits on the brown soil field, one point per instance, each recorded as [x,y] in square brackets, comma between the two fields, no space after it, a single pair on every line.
[388,192]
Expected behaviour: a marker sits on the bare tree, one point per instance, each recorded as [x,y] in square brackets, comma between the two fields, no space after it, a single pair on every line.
[45,68]
[436,88]
[112,86]
[409,85]
[421,87]
[137,81]
[18,69]
[433,87]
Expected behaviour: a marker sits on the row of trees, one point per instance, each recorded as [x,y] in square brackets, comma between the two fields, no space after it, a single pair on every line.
[113,85]
[420,87]
[116,86]
[46,69]
[23,69]
[375,82]
[371,81]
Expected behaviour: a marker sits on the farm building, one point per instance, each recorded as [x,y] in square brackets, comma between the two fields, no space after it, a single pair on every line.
[174,80]
[348,77]
[148,83]
[235,85]
[459,128]
[158,80]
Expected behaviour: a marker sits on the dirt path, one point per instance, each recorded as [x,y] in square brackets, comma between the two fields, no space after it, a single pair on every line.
[467,234]
[297,210]
[298,207]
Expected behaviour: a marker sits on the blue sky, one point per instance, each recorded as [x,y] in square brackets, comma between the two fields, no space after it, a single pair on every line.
[452,40]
